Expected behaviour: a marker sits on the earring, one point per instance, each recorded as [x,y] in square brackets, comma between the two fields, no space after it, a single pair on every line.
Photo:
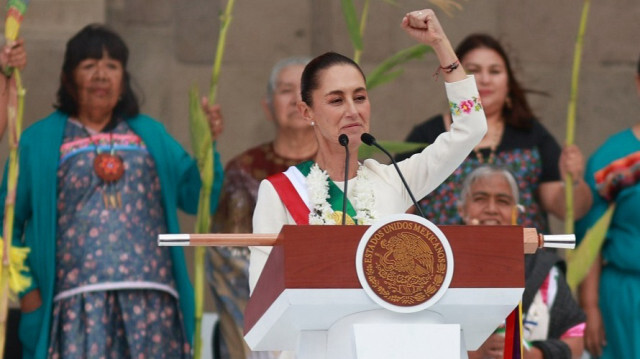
[313,123]
[507,102]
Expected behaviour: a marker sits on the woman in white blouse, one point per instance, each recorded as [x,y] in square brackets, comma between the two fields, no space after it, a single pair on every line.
[335,102]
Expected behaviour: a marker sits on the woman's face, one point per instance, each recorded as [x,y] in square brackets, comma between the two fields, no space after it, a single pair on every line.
[285,97]
[489,202]
[340,105]
[99,84]
[491,77]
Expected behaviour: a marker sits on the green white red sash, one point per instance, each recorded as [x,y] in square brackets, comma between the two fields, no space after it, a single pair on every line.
[292,189]
[290,197]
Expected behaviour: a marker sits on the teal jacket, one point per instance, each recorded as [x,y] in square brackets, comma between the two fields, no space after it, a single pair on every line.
[36,213]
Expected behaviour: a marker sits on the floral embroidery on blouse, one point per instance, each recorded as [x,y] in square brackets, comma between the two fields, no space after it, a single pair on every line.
[466,106]
[440,206]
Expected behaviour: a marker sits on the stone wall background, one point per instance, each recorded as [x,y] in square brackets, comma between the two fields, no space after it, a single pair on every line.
[172,47]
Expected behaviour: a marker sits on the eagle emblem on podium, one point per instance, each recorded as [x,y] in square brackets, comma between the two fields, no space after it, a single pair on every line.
[405,263]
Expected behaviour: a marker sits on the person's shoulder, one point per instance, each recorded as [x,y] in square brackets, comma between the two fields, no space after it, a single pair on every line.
[531,126]
[545,259]
[242,160]
[614,146]
[428,130]
[435,123]
[535,133]
[261,149]
[617,138]
[44,126]
[146,121]
[549,256]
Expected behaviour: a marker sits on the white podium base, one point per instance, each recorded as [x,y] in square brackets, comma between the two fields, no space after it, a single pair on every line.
[400,341]
[380,334]
[298,312]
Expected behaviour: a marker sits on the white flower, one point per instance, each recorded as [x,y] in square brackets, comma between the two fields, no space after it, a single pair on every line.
[363,197]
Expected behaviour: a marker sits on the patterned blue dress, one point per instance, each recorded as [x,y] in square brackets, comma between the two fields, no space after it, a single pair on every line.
[115,294]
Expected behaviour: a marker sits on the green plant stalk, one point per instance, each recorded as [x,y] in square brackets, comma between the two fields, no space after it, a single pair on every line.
[225,21]
[363,25]
[580,260]
[383,72]
[203,216]
[202,226]
[353,25]
[15,128]
[571,115]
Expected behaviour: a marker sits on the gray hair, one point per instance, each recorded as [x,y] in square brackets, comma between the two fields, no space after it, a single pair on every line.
[275,72]
[484,172]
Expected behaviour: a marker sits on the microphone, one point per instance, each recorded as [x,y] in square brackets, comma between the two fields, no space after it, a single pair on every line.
[344,142]
[369,140]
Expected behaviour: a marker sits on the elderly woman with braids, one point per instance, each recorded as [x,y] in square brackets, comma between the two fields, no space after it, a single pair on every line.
[98,182]
[335,102]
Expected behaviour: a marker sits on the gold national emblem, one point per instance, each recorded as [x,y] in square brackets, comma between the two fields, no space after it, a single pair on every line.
[404,263]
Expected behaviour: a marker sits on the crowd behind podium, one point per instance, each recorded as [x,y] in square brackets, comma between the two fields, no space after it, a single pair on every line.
[90,294]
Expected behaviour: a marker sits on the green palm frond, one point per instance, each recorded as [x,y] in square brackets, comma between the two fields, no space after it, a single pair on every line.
[571,114]
[11,257]
[384,73]
[201,141]
[203,149]
[353,24]
[580,260]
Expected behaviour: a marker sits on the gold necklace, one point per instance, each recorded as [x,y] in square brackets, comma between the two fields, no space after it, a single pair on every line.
[480,157]
[495,142]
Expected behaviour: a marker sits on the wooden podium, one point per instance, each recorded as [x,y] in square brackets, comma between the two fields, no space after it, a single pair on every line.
[309,299]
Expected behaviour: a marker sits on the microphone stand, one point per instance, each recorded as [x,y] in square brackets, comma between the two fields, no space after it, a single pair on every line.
[344,141]
[369,140]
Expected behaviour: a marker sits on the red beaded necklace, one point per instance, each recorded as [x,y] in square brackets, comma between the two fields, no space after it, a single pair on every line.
[109,167]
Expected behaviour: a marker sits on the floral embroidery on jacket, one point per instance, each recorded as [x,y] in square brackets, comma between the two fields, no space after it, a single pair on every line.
[465,106]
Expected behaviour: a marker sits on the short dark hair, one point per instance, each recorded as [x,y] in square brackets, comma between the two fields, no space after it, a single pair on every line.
[91,43]
[519,114]
[310,75]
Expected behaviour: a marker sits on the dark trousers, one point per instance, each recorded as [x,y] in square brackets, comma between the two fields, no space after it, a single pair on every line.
[13,347]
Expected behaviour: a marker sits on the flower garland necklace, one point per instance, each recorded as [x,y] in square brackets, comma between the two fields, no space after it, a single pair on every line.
[363,197]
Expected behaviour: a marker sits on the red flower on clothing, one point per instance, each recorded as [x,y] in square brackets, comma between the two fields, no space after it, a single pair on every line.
[466,106]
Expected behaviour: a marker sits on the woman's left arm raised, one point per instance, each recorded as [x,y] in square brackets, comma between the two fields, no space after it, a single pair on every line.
[427,170]
[423,25]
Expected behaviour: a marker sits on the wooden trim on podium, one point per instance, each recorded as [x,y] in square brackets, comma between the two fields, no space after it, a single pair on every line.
[324,257]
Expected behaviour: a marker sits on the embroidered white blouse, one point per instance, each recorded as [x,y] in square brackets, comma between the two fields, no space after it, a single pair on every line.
[423,171]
